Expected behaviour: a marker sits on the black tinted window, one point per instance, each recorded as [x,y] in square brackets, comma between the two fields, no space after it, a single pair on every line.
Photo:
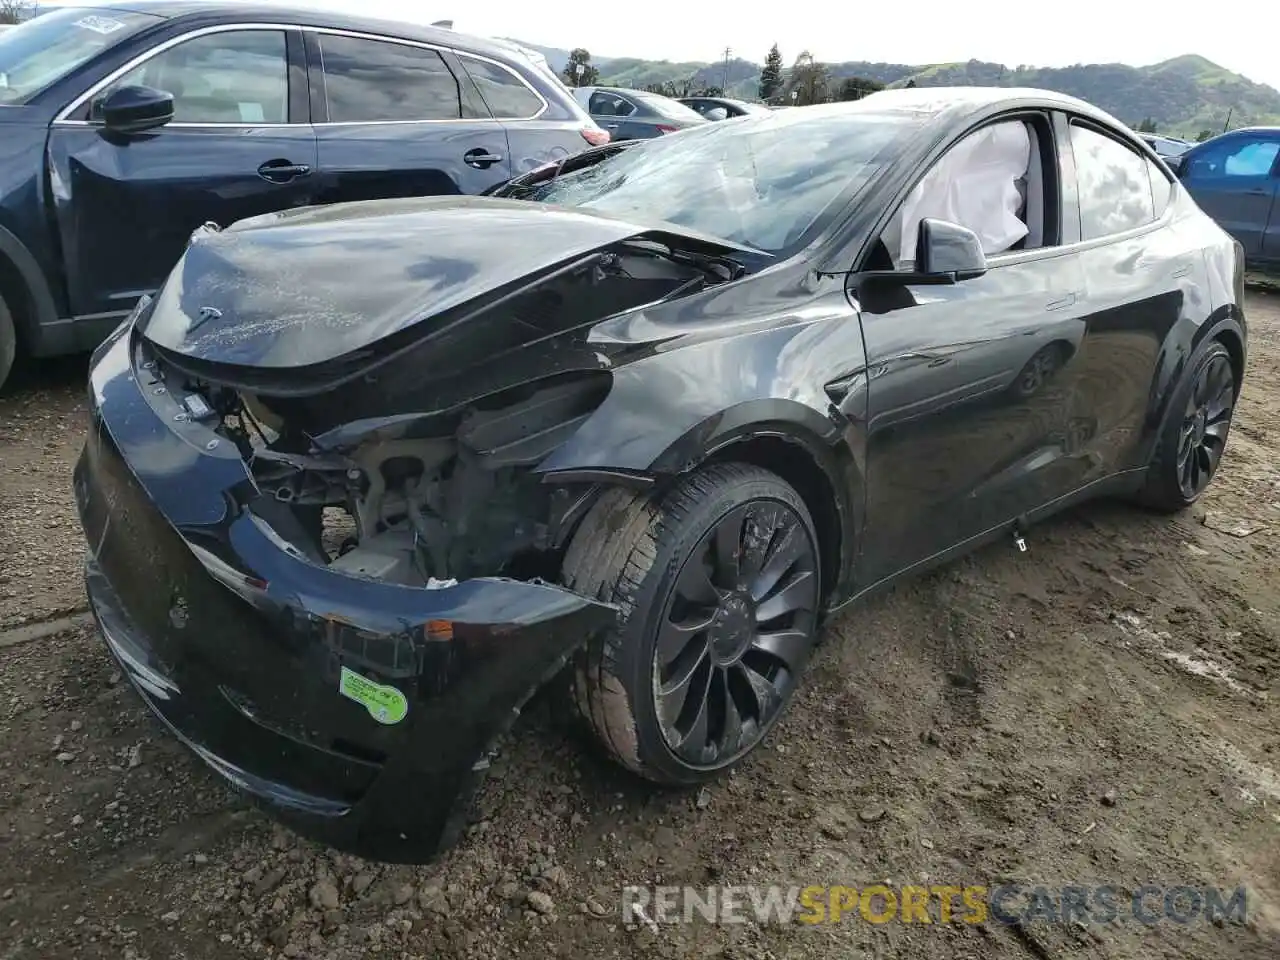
[241,76]
[1233,157]
[666,107]
[505,94]
[371,80]
[1114,187]
[604,104]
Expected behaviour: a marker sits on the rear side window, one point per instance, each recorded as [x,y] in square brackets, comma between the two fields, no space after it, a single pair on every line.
[505,94]
[668,108]
[367,81]
[1114,186]
[604,104]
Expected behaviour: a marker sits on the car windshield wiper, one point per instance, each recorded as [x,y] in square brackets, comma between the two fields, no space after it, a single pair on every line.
[721,269]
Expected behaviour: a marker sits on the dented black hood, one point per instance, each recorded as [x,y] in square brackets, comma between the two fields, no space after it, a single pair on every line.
[307,286]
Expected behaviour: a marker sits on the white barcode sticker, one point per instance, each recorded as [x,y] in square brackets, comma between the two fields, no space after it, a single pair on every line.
[102,25]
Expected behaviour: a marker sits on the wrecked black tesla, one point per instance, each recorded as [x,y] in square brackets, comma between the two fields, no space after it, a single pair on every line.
[361,478]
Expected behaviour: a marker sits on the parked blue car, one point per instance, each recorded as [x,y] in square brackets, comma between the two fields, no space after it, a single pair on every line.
[1236,180]
[124,127]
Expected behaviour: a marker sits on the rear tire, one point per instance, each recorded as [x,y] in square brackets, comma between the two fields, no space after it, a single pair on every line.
[717,586]
[1194,437]
[8,343]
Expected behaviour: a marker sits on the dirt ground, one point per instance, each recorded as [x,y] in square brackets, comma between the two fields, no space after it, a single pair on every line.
[1099,710]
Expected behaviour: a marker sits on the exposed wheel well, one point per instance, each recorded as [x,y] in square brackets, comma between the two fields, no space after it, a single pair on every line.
[790,461]
[1231,340]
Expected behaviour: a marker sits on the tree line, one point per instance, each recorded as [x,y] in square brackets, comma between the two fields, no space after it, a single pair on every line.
[15,11]
[807,81]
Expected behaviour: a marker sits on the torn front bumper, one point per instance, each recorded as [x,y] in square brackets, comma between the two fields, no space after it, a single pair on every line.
[239,643]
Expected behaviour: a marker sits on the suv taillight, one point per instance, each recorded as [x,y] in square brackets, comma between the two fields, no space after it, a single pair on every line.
[666,128]
[595,136]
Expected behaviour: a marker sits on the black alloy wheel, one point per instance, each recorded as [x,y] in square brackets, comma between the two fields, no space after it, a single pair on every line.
[736,633]
[718,587]
[1194,435]
[1205,424]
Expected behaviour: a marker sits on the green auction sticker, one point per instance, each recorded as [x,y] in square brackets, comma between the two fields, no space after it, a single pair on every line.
[385,704]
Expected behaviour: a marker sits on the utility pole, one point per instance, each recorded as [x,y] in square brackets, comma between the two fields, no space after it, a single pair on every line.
[1227,125]
[724,84]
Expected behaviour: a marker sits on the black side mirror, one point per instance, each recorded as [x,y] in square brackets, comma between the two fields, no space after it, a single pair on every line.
[949,252]
[945,253]
[134,110]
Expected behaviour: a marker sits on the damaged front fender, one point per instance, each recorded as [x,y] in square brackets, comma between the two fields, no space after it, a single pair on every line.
[361,712]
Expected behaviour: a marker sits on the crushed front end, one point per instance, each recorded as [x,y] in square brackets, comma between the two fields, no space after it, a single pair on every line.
[347,666]
[321,543]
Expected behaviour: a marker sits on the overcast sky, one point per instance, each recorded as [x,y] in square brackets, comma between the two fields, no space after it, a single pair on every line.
[1245,39]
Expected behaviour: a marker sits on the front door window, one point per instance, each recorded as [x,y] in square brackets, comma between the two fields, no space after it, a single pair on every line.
[236,76]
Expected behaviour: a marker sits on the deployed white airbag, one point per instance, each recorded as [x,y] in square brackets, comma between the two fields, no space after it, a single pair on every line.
[975,186]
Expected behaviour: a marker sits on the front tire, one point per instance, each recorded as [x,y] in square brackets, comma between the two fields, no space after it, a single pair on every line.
[717,584]
[1193,440]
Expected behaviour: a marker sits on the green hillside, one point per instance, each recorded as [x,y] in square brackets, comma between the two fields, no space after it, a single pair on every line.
[1184,95]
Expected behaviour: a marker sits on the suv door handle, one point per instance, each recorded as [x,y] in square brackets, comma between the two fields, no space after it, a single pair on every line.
[1061,302]
[282,171]
[481,158]
[611,126]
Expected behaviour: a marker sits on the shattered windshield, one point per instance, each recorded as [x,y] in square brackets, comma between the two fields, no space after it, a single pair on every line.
[767,182]
[47,48]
